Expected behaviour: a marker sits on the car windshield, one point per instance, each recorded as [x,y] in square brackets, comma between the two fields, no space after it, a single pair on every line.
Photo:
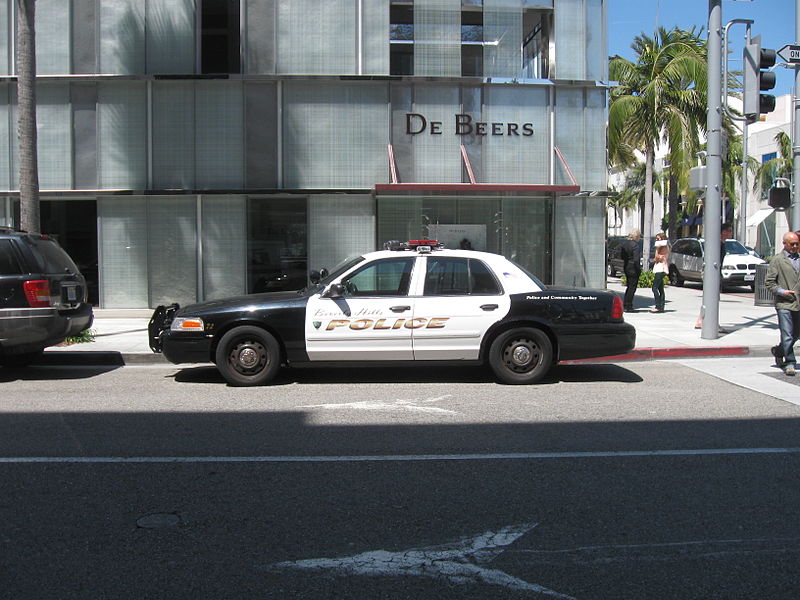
[343,266]
[735,247]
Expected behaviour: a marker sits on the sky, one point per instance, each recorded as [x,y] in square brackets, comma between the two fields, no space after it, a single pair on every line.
[774,20]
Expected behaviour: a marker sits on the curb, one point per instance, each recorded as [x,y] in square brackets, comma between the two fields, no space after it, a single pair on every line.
[100,358]
[119,359]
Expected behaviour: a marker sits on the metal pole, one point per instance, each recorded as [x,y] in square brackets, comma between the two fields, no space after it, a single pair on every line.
[796,131]
[713,210]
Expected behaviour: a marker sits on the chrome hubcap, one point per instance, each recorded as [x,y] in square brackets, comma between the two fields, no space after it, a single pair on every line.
[521,355]
[248,358]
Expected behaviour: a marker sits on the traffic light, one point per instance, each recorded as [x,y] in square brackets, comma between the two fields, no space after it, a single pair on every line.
[756,81]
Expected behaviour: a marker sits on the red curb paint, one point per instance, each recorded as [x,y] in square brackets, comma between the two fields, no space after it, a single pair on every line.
[655,353]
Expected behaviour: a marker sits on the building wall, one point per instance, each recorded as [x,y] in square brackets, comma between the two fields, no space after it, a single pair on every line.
[193,121]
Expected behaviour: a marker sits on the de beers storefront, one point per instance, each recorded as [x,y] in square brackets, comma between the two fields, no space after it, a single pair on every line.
[194,149]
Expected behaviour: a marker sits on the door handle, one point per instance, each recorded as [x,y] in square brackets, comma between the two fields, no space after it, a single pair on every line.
[399,309]
[489,307]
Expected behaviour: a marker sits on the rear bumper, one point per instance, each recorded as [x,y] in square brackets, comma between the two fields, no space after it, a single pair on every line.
[594,341]
[32,329]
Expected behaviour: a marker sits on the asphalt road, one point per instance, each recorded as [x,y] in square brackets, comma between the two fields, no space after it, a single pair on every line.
[640,480]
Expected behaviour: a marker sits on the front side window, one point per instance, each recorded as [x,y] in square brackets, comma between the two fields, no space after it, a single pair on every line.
[459,277]
[382,278]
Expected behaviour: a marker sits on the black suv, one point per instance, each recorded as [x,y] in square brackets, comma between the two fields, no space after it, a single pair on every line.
[42,296]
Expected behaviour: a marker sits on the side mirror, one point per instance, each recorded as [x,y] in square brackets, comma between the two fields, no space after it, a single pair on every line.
[335,291]
[315,276]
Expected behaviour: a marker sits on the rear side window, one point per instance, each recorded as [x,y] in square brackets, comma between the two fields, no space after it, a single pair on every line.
[447,276]
[9,265]
[51,256]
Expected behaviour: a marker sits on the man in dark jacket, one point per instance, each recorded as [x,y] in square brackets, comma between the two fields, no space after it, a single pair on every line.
[631,251]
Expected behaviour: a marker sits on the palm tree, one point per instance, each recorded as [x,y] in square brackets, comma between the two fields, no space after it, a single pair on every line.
[26,116]
[661,97]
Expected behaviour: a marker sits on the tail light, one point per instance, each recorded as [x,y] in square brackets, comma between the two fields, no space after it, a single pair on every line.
[37,292]
[616,308]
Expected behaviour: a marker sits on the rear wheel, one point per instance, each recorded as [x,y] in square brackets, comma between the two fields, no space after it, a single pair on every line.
[521,356]
[248,356]
[675,277]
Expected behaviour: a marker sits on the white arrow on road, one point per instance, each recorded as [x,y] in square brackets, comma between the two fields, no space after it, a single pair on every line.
[461,561]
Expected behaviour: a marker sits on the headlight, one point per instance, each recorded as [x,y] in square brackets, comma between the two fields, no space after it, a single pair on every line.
[187,324]
[728,268]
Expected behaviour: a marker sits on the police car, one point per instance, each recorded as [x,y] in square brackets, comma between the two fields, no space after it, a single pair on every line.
[413,302]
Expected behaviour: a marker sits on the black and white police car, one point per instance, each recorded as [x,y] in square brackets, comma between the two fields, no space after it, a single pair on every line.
[412,302]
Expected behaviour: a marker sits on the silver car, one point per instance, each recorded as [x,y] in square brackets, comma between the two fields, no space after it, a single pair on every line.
[686,263]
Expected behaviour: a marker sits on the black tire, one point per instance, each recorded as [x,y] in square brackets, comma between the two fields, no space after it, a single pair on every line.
[521,356]
[675,277]
[248,356]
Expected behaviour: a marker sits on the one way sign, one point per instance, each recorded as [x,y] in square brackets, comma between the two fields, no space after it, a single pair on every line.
[790,53]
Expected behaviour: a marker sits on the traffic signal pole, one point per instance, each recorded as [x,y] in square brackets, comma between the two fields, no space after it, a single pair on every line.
[712,211]
[796,131]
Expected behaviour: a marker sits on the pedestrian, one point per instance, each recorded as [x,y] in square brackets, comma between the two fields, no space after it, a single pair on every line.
[660,270]
[631,253]
[726,230]
[783,281]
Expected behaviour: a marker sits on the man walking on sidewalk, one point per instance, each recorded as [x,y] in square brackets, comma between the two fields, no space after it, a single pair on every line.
[783,281]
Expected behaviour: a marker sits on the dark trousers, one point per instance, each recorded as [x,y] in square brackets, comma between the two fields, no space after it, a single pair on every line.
[658,290]
[630,290]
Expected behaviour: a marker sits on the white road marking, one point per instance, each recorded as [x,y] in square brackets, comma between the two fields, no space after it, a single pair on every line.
[389,405]
[460,562]
[394,457]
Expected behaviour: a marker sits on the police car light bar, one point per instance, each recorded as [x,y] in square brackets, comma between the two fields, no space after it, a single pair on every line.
[418,245]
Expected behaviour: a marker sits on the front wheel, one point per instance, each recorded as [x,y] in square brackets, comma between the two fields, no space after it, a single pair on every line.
[521,356]
[248,356]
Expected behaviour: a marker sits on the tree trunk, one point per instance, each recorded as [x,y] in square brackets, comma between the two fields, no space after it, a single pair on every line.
[26,116]
[673,209]
[647,231]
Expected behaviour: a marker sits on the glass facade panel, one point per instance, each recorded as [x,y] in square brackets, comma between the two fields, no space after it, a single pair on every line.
[437,38]
[53,46]
[123,252]
[170,29]
[172,249]
[54,127]
[526,233]
[224,246]
[502,30]
[5,46]
[122,135]
[596,42]
[173,135]
[317,38]
[354,233]
[579,242]
[335,135]
[219,142]
[522,151]
[436,158]
[570,26]
[122,40]
[277,244]
[375,37]
[7,152]
[581,116]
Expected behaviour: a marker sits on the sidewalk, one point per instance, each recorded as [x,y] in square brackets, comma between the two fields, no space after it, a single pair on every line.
[121,334]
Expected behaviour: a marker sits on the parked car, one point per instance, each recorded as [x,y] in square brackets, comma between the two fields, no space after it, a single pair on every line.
[686,263]
[43,298]
[614,262]
[414,302]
